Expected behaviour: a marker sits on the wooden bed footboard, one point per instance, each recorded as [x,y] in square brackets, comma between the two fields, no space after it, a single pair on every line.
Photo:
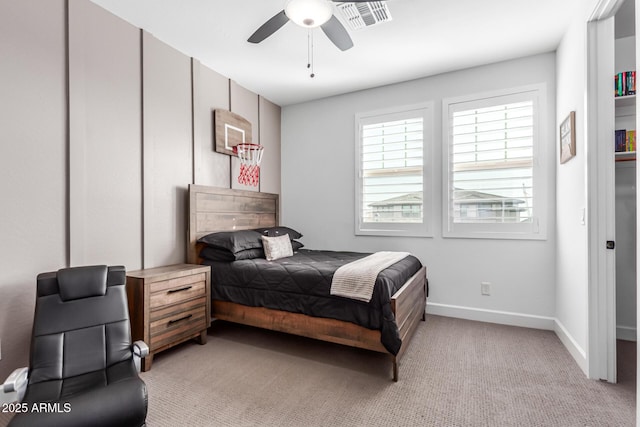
[320,328]
[408,305]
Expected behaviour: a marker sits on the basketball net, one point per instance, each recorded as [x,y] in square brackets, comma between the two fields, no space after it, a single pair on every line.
[250,156]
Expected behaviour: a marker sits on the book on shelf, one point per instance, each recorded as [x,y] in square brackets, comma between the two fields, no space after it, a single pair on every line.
[619,87]
[625,140]
[625,83]
[621,140]
[631,82]
[631,141]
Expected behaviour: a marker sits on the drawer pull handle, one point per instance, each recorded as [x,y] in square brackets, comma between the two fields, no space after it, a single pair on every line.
[171,322]
[186,288]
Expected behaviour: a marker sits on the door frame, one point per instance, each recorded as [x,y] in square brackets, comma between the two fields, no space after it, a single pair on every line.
[601,357]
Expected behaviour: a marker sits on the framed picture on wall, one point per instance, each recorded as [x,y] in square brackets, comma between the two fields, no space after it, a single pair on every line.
[568,138]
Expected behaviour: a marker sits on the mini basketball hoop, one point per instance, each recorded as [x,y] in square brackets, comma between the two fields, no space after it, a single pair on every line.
[250,156]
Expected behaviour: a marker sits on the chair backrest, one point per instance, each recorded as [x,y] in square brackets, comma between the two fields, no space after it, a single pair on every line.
[81,322]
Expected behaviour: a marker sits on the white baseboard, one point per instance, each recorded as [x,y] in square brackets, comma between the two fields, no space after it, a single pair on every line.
[626,333]
[574,349]
[515,319]
[492,316]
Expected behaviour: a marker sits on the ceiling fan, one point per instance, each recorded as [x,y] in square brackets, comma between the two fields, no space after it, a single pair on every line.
[309,14]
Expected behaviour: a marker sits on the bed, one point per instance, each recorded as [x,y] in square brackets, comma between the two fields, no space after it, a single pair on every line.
[213,210]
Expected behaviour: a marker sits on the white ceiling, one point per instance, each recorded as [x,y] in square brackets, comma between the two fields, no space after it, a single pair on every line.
[425,37]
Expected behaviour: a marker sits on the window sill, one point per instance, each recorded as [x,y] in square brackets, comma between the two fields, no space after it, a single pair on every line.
[392,232]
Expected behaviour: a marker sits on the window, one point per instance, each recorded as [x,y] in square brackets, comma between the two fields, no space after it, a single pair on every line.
[494,168]
[393,180]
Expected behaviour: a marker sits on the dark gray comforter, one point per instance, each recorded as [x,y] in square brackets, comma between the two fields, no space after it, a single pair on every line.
[301,284]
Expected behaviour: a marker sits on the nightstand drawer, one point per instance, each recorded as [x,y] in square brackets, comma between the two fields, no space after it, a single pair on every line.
[177,326]
[177,290]
[170,310]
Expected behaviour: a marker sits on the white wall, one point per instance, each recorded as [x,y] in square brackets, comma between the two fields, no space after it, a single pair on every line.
[318,196]
[572,270]
[626,250]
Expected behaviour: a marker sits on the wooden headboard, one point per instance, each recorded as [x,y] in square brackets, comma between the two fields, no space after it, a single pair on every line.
[213,209]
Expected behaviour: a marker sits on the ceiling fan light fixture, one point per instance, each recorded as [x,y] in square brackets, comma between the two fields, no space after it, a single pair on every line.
[308,13]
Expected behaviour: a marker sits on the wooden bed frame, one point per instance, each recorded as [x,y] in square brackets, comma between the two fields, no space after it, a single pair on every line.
[214,209]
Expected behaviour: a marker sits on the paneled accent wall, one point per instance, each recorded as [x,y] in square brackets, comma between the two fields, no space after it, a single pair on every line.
[33,146]
[105,191]
[270,138]
[167,143]
[211,168]
[102,128]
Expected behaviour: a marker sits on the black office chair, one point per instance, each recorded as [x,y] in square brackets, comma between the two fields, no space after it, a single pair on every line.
[82,366]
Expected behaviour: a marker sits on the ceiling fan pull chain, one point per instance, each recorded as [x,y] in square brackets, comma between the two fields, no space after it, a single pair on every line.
[309,48]
[310,52]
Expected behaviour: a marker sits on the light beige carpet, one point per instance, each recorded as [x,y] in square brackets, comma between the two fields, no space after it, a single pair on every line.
[455,373]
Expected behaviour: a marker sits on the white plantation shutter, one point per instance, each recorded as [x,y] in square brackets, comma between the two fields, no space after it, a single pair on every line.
[390,157]
[392,170]
[492,163]
[492,166]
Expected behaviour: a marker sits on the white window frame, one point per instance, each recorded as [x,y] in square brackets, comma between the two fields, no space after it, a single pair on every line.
[423,229]
[537,228]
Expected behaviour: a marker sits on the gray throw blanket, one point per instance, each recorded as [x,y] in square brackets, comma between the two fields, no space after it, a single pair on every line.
[357,279]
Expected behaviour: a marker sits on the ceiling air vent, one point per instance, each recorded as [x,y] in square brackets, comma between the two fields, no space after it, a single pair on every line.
[365,14]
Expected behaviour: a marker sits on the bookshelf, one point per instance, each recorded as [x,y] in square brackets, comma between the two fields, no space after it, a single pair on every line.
[624,156]
[625,101]
[625,116]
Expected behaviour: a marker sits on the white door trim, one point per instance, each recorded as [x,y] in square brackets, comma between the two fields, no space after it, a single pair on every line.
[601,355]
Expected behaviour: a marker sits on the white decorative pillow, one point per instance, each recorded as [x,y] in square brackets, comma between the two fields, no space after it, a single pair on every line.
[277,247]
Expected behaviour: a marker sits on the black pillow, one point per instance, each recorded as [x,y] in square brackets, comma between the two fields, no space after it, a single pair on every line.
[295,245]
[279,231]
[216,254]
[213,253]
[233,241]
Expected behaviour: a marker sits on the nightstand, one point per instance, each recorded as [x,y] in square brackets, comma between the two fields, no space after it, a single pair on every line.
[169,305]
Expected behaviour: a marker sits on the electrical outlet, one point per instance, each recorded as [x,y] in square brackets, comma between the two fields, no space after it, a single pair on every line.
[485,288]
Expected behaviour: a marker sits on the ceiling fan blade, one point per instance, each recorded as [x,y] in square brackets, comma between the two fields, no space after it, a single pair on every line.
[354,1]
[269,27]
[337,33]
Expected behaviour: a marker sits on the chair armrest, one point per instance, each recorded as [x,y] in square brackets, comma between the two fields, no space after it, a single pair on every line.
[140,350]
[15,385]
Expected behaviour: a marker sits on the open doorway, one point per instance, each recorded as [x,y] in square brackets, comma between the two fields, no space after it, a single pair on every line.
[625,195]
[605,113]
